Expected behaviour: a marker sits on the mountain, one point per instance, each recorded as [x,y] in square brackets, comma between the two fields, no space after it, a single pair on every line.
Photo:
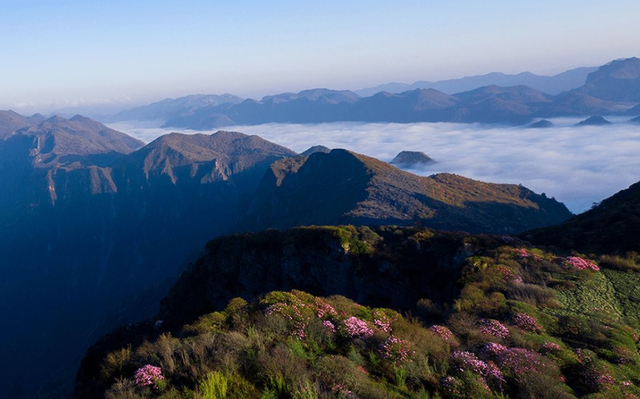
[11,121]
[610,227]
[344,187]
[573,103]
[556,84]
[494,99]
[411,159]
[89,245]
[314,149]
[617,81]
[322,96]
[341,311]
[541,124]
[594,121]
[411,106]
[61,141]
[170,107]
[94,230]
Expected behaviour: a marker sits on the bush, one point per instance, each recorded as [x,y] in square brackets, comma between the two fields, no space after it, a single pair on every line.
[213,386]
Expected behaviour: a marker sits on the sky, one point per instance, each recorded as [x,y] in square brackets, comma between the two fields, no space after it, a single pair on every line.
[70,52]
[576,165]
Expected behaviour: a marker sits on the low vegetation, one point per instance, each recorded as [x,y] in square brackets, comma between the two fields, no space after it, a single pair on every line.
[526,323]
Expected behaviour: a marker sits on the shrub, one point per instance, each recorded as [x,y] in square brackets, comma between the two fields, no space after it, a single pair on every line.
[213,386]
[148,375]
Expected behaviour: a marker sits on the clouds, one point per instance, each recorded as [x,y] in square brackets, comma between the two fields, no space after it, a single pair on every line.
[577,166]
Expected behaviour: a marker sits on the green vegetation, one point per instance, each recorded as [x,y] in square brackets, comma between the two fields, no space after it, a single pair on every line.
[525,323]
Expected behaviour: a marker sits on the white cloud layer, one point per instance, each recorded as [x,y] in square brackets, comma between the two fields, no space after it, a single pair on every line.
[576,165]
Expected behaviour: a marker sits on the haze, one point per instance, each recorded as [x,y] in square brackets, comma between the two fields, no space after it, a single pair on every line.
[122,53]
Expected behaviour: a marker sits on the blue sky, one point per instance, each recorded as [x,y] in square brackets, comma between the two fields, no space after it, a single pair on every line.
[62,52]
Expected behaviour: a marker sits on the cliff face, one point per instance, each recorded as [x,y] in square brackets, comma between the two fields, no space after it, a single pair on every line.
[381,267]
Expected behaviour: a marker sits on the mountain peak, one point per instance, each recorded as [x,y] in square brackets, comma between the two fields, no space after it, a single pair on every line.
[594,121]
[412,159]
[316,148]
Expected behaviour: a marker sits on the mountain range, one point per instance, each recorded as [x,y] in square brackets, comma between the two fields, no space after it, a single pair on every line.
[547,320]
[556,84]
[605,90]
[110,222]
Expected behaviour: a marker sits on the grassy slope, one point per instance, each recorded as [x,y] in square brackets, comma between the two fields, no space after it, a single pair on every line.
[591,316]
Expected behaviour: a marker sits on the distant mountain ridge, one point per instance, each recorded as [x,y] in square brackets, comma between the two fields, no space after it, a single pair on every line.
[609,89]
[556,84]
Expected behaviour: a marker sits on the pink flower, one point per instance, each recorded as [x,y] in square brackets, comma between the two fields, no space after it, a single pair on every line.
[441,331]
[550,347]
[578,263]
[467,361]
[356,328]
[494,328]
[329,326]
[382,321]
[526,322]
[508,275]
[493,349]
[148,375]
[324,309]
[396,350]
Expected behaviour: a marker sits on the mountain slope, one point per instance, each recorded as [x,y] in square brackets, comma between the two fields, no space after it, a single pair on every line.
[618,80]
[612,226]
[11,121]
[109,237]
[490,317]
[343,187]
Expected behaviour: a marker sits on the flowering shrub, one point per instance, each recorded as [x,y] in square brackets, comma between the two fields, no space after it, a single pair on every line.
[549,347]
[493,349]
[299,309]
[594,373]
[526,322]
[520,360]
[148,375]
[467,361]
[396,350]
[494,328]
[342,391]
[523,253]
[324,309]
[329,326]
[382,321]
[508,275]
[578,263]
[441,331]
[294,310]
[356,328]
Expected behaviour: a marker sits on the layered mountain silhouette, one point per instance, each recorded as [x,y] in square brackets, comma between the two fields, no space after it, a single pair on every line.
[169,107]
[86,212]
[556,84]
[609,89]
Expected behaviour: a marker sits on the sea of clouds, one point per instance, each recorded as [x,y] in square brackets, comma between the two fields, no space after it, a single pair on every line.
[576,165]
